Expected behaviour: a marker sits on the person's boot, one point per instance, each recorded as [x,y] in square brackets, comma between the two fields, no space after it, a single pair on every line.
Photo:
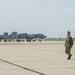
[69,57]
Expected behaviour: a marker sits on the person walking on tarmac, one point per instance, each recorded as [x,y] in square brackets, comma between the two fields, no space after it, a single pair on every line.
[68,45]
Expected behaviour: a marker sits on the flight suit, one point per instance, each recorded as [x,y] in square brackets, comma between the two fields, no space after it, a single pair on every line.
[68,45]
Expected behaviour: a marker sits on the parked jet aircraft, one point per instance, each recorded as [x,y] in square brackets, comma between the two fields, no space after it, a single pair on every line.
[18,37]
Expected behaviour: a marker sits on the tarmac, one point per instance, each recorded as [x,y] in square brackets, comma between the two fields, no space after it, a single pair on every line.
[36,58]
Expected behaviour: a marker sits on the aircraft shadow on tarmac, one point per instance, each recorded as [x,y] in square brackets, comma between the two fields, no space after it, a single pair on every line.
[21,67]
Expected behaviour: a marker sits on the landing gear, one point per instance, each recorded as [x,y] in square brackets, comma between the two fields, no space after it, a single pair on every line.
[28,40]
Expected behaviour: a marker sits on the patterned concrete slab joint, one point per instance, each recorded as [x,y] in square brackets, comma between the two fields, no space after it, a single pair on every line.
[21,67]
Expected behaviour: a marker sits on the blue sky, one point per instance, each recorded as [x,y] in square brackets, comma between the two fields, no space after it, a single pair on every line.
[50,17]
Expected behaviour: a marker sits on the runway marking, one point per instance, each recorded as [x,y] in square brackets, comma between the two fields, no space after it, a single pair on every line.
[21,67]
[61,68]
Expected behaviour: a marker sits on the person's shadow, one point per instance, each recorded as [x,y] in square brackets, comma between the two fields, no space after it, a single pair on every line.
[73,59]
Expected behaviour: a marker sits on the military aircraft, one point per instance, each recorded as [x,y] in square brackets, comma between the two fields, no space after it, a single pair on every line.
[19,37]
[29,37]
